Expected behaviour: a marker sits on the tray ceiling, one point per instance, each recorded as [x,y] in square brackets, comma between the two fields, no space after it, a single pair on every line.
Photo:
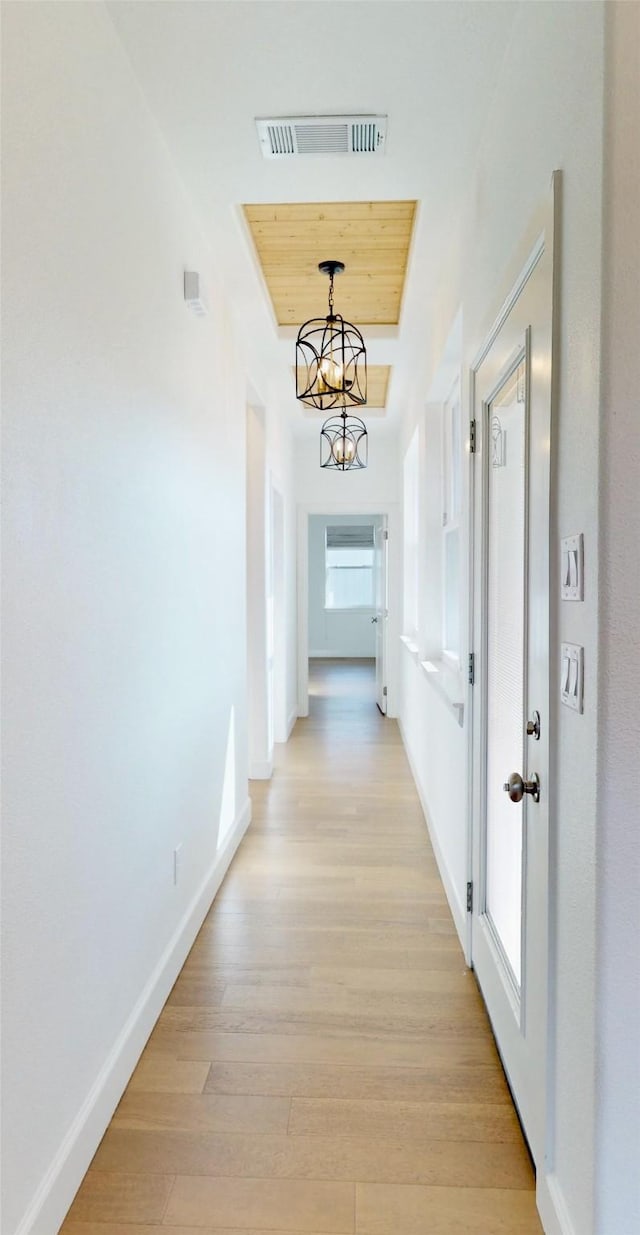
[371,238]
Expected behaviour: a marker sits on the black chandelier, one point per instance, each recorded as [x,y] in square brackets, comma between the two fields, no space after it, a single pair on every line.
[331,372]
[331,359]
[344,443]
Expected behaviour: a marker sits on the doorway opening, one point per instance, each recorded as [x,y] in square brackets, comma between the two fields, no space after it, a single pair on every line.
[329,628]
[347,605]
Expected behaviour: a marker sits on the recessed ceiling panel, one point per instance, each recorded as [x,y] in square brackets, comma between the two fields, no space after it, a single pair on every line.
[371,238]
[377,387]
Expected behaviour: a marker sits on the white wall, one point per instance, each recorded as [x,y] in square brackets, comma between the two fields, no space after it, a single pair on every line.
[617,1182]
[124,616]
[340,632]
[547,113]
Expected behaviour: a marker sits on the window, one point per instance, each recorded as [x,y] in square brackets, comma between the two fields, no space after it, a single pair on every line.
[349,567]
[451,499]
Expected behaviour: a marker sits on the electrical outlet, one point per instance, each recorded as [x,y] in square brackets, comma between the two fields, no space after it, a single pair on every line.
[177,853]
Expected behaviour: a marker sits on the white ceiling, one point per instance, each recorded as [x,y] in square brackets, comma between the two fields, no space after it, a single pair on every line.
[208,68]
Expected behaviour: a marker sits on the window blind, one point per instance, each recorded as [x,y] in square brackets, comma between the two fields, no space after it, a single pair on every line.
[350,536]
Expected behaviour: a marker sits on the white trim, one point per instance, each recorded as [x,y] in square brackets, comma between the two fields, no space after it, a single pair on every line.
[350,608]
[410,644]
[510,301]
[52,1199]
[448,684]
[291,720]
[324,655]
[540,243]
[458,911]
[261,769]
[552,1206]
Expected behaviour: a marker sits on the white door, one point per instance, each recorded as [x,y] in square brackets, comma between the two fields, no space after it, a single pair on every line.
[512,409]
[381,542]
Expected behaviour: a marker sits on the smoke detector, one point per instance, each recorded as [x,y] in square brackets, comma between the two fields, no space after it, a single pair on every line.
[285,137]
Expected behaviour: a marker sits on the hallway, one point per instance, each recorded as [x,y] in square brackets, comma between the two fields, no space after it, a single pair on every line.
[324,1063]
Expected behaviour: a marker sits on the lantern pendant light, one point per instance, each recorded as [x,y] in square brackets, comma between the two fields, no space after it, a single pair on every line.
[331,373]
[331,358]
[344,443]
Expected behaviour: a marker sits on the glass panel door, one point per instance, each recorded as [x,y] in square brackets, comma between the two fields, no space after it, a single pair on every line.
[506,659]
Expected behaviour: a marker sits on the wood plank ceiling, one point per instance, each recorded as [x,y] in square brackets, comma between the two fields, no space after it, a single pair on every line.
[371,238]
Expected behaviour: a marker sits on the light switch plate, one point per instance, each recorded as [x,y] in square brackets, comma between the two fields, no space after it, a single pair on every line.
[572,676]
[572,567]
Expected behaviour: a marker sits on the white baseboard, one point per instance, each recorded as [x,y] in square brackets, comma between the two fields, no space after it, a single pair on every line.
[552,1206]
[261,769]
[47,1210]
[291,720]
[455,904]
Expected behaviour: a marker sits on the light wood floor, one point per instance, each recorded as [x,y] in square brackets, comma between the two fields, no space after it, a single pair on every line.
[324,1063]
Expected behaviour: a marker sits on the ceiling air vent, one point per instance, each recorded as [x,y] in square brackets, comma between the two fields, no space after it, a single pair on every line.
[287,136]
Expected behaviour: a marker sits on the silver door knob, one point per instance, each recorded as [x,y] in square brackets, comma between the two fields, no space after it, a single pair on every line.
[516,787]
[374,619]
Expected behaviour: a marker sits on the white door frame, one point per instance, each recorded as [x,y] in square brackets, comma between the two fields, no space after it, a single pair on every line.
[278,551]
[257,531]
[392,511]
[381,586]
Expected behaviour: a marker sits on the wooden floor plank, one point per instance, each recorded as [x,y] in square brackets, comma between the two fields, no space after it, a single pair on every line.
[384,1209]
[202,1112]
[283,1205]
[299,1046]
[121,1197]
[403,1121]
[446,1163]
[158,1074]
[324,1064]
[472,1084]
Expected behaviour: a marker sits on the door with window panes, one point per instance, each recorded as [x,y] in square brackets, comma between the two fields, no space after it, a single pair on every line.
[512,384]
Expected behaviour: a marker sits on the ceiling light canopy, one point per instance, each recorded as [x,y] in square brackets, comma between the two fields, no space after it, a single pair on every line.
[331,358]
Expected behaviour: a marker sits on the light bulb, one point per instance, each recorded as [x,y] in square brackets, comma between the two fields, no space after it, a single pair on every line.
[330,375]
[344,449]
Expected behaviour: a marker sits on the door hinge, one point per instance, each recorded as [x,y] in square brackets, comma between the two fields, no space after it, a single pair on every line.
[471,669]
[469,898]
[386,534]
[384,690]
[472,437]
